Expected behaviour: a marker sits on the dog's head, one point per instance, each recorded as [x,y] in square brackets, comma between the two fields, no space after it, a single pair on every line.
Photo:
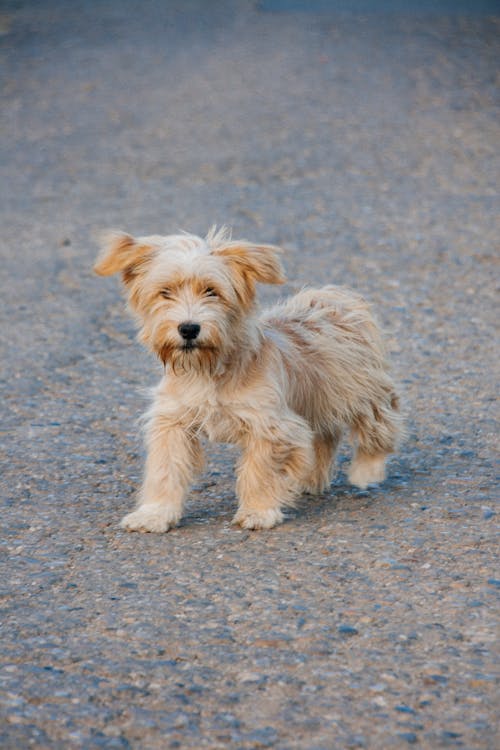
[193,297]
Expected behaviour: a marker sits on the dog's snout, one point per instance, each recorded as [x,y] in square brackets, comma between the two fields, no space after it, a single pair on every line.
[189,331]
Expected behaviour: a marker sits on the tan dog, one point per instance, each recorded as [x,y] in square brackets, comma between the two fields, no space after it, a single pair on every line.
[282,385]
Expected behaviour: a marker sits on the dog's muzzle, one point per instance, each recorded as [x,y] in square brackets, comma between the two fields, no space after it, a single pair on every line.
[189,331]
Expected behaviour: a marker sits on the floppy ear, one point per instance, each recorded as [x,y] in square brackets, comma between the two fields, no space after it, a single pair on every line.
[121,252]
[254,262]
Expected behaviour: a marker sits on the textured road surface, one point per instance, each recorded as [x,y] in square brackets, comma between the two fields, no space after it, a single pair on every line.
[368,147]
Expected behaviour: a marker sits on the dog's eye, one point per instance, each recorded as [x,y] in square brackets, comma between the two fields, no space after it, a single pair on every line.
[166,293]
[210,292]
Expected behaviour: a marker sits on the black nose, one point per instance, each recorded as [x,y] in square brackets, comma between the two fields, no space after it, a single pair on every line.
[189,331]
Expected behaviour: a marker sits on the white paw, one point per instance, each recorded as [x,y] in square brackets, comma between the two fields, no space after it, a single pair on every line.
[367,470]
[259,519]
[149,518]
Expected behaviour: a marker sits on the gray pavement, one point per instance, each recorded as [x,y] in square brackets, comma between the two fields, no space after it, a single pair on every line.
[366,145]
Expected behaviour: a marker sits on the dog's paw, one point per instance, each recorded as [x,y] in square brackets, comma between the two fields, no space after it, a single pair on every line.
[148,518]
[316,486]
[258,519]
[367,470]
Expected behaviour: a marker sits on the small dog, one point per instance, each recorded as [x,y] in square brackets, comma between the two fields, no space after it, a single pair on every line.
[282,385]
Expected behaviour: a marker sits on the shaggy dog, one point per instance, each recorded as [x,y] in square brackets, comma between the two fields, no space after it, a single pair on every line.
[283,384]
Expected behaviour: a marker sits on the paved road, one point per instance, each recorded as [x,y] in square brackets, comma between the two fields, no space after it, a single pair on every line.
[368,147]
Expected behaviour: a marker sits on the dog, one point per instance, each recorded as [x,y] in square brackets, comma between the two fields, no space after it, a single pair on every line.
[283,385]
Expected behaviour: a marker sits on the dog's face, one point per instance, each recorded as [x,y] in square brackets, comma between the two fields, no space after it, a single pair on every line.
[192,296]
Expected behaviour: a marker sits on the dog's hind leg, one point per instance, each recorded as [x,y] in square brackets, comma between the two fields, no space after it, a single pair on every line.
[325,447]
[375,434]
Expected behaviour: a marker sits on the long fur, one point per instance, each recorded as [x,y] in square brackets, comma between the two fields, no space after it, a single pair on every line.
[283,385]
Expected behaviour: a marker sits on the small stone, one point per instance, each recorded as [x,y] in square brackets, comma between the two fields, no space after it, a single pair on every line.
[405,709]
[433,678]
[347,630]
[176,720]
[265,737]
[248,676]
[410,737]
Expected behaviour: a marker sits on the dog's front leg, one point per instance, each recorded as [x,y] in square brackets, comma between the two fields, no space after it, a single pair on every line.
[174,455]
[271,473]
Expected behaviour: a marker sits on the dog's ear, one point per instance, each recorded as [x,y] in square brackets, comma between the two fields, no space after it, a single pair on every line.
[258,262]
[253,263]
[121,252]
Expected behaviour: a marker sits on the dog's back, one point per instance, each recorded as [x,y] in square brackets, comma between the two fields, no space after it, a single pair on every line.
[333,358]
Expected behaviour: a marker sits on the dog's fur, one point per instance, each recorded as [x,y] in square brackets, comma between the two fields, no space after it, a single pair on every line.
[282,385]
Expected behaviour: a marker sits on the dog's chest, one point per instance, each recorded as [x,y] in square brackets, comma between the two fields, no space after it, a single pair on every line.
[220,416]
[220,422]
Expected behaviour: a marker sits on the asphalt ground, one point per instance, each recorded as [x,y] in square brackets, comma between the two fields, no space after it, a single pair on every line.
[367,146]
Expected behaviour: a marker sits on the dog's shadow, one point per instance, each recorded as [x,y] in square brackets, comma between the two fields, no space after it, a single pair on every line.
[213,499]
[342,496]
